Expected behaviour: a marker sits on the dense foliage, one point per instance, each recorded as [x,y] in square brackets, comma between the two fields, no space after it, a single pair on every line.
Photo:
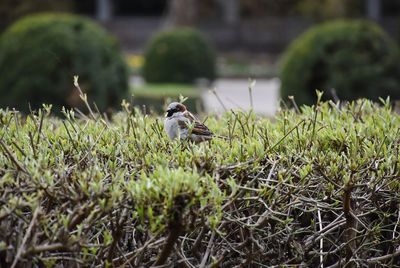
[40,54]
[320,185]
[179,56]
[356,58]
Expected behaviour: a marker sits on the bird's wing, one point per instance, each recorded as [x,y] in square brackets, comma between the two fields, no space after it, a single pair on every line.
[197,127]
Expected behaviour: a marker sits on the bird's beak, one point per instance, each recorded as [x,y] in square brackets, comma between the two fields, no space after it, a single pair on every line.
[168,113]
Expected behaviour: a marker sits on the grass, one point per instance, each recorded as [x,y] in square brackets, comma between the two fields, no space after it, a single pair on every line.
[319,185]
[231,69]
[155,97]
[166,89]
[244,65]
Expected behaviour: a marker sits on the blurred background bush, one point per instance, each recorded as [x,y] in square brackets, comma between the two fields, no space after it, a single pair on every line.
[249,36]
[41,54]
[354,58]
[178,56]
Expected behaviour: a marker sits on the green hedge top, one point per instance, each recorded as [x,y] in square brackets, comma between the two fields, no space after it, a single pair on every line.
[88,193]
[179,56]
[356,58]
[40,54]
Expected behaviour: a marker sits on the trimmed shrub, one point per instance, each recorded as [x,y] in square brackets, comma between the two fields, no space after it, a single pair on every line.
[179,56]
[356,58]
[40,54]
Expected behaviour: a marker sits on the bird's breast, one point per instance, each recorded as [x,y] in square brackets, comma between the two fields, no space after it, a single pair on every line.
[174,130]
[171,127]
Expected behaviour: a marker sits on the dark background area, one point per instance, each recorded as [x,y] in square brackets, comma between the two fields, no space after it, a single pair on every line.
[246,25]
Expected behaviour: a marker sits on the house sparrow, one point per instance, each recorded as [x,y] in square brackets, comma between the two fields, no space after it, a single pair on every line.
[180,123]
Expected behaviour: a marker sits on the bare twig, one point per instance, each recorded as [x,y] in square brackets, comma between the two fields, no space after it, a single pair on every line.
[26,236]
[321,241]
[83,97]
[214,91]
[209,246]
[12,157]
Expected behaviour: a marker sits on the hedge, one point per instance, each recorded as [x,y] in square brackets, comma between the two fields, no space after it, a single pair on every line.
[316,186]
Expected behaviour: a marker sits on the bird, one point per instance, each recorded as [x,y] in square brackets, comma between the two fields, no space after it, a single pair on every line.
[182,124]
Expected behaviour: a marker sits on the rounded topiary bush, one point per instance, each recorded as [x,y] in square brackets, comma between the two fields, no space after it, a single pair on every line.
[356,58]
[40,54]
[179,56]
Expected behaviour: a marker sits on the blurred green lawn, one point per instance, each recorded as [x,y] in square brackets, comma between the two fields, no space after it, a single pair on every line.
[167,90]
[156,96]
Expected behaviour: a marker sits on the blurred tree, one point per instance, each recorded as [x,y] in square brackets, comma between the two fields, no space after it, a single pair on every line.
[182,12]
[330,9]
[258,8]
[230,11]
[190,12]
[104,10]
[374,9]
[10,10]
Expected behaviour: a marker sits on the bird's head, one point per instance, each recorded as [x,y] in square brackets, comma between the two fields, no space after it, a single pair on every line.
[175,107]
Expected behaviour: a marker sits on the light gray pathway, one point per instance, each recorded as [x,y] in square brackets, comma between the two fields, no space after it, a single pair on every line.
[234,94]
